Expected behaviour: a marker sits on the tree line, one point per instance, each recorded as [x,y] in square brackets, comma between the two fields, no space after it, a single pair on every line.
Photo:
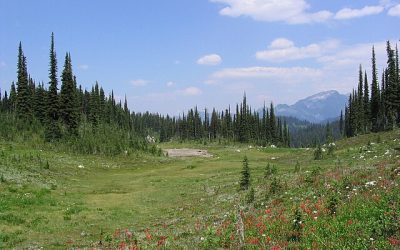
[374,107]
[244,126]
[67,111]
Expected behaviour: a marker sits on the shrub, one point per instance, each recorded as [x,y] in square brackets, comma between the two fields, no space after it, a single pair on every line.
[318,155]
[250,196]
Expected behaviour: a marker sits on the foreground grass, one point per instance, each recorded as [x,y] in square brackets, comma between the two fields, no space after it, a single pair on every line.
[57,200]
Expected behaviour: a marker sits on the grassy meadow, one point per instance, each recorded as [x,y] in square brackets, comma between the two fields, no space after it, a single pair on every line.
[347,200]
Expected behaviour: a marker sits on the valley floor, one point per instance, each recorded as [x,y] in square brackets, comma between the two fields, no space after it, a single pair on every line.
[346,200]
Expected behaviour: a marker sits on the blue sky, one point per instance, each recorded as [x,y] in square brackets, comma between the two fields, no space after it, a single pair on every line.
[168,56]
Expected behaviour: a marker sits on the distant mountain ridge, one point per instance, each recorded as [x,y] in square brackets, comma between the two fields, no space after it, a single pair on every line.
[317,108]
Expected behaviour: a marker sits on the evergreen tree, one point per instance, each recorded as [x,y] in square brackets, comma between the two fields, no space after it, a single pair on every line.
[23,104]
[360,103]
[40,103]
[366,104]
[392,99]
[52,126]
[68,107]
[13,98]
[375,96]
[245,175]
[272,124]
[341,123]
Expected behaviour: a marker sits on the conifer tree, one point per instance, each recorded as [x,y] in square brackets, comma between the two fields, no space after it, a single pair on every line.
[68,107]
[40,103]
[245,175]
[13,98]
[341,123]
[23,105]
[392,98]
[272,124]
[360,103]
[366,105]
[375,96]
[52,127]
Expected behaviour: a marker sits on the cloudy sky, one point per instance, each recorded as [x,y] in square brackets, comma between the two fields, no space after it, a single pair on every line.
[169,55]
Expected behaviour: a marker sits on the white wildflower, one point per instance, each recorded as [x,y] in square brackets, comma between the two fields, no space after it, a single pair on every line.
[370,183]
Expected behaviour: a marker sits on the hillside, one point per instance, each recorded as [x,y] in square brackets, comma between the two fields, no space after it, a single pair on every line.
[58,200]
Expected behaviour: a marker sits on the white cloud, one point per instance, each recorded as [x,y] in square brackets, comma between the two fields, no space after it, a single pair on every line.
[394,11]
[289,11]
[353,55]
[348,13]
[290,73]
[170,84]
[212,60]
[84,67]
[2,64]
[190,91]
[139,82]
[282,49]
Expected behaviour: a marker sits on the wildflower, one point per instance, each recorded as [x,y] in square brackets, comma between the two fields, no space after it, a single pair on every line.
[370,183]
[122,245]
[148,235]
[276,247]
[201,238]
[393,241]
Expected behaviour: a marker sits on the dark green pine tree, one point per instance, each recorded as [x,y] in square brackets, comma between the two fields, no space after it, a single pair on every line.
[52,126]
[23,104]
[69,109]
[392,99]
[375,96]
[13,98]
[245,175]
[40,103]
[367,105]
[360,103]
[272,124]
[214,124]
[341,123]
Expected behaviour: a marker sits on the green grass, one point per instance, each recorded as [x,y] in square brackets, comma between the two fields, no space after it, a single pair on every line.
[47,201]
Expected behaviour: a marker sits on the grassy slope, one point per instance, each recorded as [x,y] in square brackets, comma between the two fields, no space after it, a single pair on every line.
[192,201]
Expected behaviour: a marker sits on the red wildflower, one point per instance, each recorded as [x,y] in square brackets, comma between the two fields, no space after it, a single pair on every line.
[128,233]
[148,235]
[349,222]
[393,241]
[161,242]
[276,247]
[122,245]
[253,241]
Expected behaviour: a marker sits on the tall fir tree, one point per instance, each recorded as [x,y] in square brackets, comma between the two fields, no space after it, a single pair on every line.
[392,99]
[245,175]
[366,105]
[52,126]
[375,96]
[68,106]
[23,100]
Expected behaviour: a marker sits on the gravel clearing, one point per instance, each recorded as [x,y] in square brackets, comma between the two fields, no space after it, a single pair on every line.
[187,152]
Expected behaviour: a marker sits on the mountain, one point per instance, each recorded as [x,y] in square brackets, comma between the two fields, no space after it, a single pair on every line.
[317,108]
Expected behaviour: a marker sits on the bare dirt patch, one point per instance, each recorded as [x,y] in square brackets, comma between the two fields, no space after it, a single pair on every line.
[187,152]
